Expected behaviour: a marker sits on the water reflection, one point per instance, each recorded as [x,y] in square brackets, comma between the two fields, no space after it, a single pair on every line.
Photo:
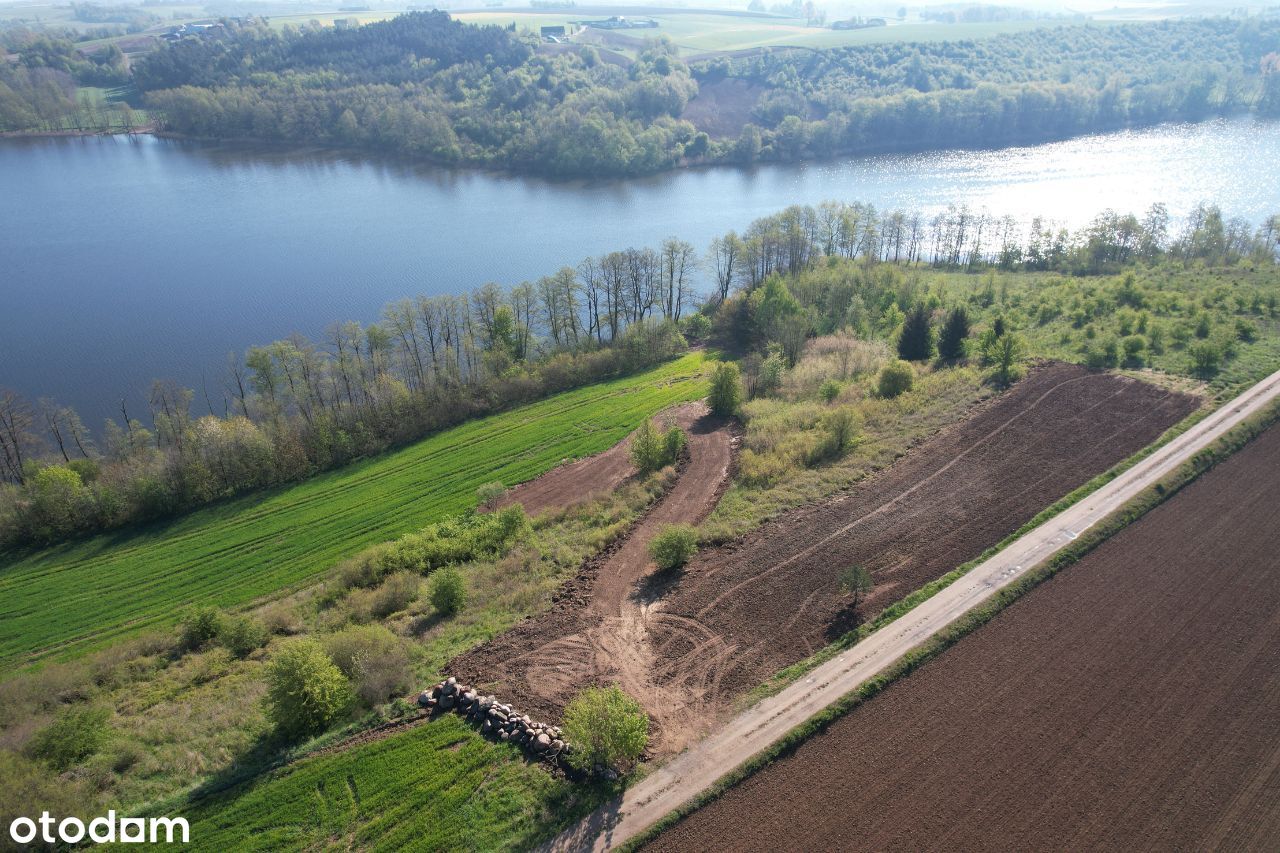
[126,258]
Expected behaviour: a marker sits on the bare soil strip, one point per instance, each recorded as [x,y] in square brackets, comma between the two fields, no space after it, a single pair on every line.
[773,598]
[686,646]
[767,722]
[597,631]
[1131,703]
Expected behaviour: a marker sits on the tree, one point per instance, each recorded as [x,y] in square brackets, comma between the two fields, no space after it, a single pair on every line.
[448,590]
[954,332]
[856,581]
[674,544]
[305,691]
[915,343]
[1005,354]
[607,729]
[646,449]
[1205,358]
[896,378]
[488,495]
[726,389]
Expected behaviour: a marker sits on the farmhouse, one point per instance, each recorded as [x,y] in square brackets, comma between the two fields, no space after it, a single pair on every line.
[558,32]
[619,22]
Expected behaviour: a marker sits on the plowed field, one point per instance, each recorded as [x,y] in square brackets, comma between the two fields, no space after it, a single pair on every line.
[741,612]
[1131,703]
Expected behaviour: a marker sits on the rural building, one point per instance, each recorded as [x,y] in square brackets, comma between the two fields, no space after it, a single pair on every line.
[619,22]
[557,33]
[858,23]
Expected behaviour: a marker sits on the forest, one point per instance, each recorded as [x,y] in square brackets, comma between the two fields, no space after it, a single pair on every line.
[426,85]
[294,407]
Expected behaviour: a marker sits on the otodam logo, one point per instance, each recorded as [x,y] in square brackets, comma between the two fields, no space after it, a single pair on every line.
[100,830]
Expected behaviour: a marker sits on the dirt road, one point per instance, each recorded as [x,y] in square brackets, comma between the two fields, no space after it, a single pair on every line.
[1133,703]
[542,663]
[754,730]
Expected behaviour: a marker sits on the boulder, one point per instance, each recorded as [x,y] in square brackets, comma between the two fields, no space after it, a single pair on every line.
[424,698]
[542,741]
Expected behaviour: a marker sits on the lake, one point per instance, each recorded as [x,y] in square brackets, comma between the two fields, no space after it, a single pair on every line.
[126,259]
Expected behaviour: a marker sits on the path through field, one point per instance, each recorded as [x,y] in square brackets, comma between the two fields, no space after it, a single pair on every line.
[747,734]
[605,635]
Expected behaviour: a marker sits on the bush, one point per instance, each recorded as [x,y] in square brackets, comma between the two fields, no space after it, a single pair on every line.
[242,635]
[896,378]
[76,734]
[373,659]
[396,593]
[200,626]
[915,343]
[606,727]
[673,444]
[1133,346]
[305,691]
[696,327]
[646,449]
[674,544]
[954,332]
[840,428]
[1205,358]
[448,590]
[488,495]
[726,389]
[829,391]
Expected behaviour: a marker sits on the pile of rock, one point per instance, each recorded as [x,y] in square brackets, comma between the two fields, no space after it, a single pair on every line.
[496,720]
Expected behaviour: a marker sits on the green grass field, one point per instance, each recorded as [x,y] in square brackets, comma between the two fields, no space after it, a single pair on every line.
[697,32]
[66,600]
[438,786]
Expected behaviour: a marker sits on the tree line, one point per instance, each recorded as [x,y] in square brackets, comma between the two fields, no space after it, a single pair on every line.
[297,406]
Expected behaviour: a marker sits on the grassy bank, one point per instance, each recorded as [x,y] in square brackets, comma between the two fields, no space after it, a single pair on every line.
[65,600]
[437,786]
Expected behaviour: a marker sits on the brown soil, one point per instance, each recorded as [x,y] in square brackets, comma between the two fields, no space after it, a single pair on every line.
[594,475]
[773,598]
[686,645]
[1131,703]
[596,631]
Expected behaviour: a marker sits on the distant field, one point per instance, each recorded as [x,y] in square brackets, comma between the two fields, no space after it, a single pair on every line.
[702,32]
[68,599]
[438,786]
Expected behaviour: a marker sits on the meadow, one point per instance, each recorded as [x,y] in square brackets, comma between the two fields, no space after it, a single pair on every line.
[66,600]
[436,786]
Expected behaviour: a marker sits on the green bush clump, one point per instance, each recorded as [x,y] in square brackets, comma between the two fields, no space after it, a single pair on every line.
[896,378]
[457,540]
[373,659]
[200,626]
[726,389]
[75,735]
[674,544]
[606,727]
[242,635]
[305,691]
[448,591]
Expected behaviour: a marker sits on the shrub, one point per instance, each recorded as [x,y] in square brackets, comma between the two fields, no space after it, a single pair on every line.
[606,727]
[242,635]
[673,444]
[646,449]
[915,343]
[305,691]
[1006,353]
[1133,346]
[726,389]
[1246,331]
[674,544]
[829,391]
[896,378]
[840,431]
[488,495]
[76,734]
[200,626]
[954,332]
[448,590]
[373,659]
[365,569]
[456,540]
[396,593]
[1205,358]
[856,581]
[281,618]
[696,327]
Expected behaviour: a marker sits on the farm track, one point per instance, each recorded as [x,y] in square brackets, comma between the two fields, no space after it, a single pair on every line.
[599,629]
[72,598]
[1132,703]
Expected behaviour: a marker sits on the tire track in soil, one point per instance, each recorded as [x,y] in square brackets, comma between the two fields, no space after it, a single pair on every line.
[599,630]
[1131,703]
[686,645]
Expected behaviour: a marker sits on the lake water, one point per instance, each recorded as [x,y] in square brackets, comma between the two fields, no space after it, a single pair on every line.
[126,259]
